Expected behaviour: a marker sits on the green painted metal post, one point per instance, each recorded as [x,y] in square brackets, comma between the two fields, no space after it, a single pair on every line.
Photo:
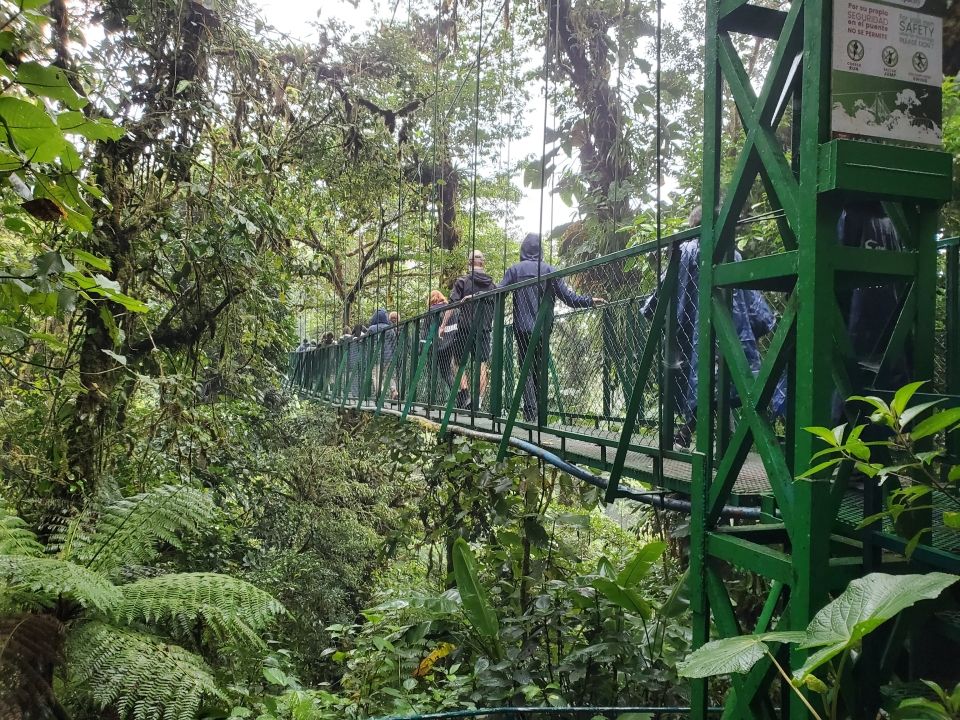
[606,341]
[653,341]
[543,315]
[952,330]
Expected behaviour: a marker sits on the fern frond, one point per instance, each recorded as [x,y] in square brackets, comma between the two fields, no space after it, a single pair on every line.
[137,675]
[51,578]
[231,609]
[128,530]
[15,537]
[30,644]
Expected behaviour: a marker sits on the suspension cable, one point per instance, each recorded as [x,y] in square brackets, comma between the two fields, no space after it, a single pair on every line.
[436,130]
[659,209]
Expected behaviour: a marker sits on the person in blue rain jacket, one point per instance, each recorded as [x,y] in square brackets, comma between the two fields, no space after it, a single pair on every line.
[752,317]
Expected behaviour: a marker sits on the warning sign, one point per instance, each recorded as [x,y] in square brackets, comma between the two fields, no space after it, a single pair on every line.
[887,70]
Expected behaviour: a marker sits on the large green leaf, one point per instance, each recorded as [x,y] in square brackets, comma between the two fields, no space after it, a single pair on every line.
[48,578]
[75,122]
[936,423]
[640,564]
[867,603]
[51,82]
[476,604]
[29,124]
[732,655]
[626,598]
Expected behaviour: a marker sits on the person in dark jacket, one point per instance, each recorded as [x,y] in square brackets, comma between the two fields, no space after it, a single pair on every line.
[354,359]
[476,312]
[526,306]
[871,312]
[752,317]
[385,343]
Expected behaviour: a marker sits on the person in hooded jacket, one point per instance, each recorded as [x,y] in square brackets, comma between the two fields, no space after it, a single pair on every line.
[871,312]
[752,317]
[476,312]
[384,346]
[526,306]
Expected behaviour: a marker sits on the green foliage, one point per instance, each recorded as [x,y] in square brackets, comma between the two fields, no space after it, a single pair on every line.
[128,531]
[117,654]
[944,706]
[47,579]
[232,610]
[16,538]
[867,603]
[140,676]
[473,596]
[527,623]
[837,629]
[911,472]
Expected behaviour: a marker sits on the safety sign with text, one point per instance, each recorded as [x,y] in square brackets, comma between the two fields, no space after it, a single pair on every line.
[887,71]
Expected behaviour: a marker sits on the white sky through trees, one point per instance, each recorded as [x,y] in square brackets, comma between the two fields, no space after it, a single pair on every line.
[296,19]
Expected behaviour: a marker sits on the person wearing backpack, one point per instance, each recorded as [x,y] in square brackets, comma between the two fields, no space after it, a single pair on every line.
[477,312]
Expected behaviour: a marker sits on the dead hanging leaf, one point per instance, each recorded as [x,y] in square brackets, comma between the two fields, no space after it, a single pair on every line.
[44,209]
[441,651]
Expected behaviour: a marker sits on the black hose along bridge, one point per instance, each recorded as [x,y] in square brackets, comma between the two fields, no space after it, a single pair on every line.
[667,393]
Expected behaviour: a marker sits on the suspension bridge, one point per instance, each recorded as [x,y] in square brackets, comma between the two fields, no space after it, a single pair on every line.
[642,399]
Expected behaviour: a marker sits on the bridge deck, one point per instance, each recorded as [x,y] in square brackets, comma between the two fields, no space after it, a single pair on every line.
[598,450]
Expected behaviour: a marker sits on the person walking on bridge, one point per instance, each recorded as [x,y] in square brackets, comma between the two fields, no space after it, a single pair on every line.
[479,313]
[526,306]
[384,347]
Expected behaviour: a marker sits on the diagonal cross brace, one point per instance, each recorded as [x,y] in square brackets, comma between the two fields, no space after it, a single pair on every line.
[421,364]
[666,303]
[754,396]
[545,312]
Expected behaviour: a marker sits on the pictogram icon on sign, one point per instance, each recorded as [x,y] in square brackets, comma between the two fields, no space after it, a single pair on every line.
[855,50]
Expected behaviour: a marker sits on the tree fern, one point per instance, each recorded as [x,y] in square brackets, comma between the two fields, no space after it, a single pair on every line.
[30,645]
[138,675]
[231,609]
[38,578]
[135,674]
[15,537]
[128,530]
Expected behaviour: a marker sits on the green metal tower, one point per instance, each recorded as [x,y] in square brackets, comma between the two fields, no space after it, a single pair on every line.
[808,173]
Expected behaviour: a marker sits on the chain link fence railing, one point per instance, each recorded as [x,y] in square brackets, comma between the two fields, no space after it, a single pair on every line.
[562,354]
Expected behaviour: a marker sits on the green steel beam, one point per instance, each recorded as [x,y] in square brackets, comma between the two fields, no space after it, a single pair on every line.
[768,272]
[764,437]
[544,316]
[885,171]
[665,303]
[754,557]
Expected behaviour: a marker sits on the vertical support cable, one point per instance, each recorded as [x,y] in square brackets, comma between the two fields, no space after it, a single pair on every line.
[659,231]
